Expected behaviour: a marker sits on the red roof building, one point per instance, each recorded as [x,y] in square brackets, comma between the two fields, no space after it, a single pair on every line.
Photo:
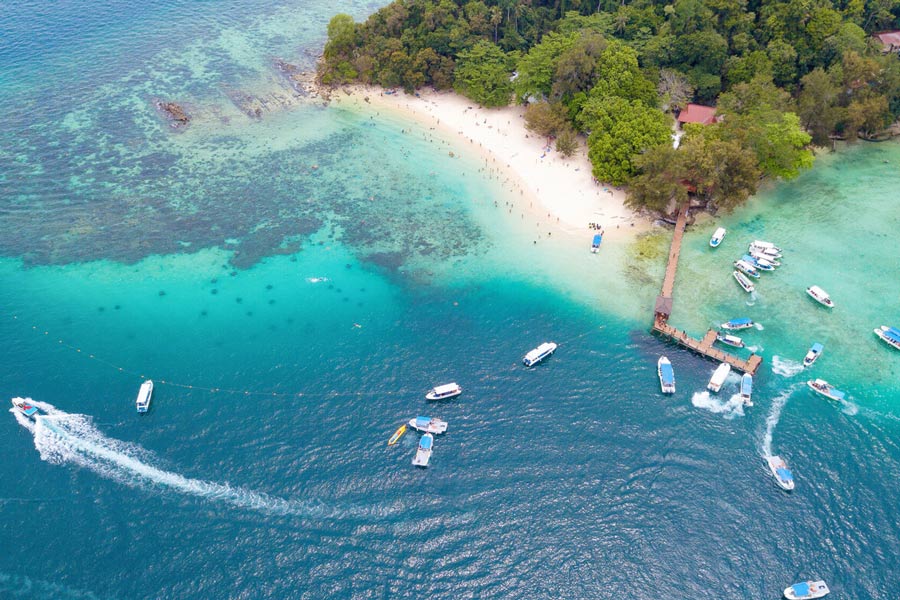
[697,113]
[890,41]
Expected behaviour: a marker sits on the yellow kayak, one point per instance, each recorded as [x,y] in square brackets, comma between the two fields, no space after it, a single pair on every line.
[397,435]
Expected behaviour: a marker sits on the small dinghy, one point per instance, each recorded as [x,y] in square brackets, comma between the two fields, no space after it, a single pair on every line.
[397,435]
[815,351]
[743,281]
[746,268]
[428,425]
[442,392]
[595,243]
[806,590]
[719,377]
[889,335]
[738,324]
[730,340]
[539,354]
[423,452]
[747,389]
[782,474]
[666,375]
[717,237]
[823,388]
[820,296]
[143,397]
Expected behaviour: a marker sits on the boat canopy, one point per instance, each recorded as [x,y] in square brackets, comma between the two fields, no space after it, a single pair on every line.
[742,321]
[597,239]
[423,421]
[426,442]
[801,589]
[446,389]
[666,372]
[784,474]
[747,383]
[817,347]
[893,334]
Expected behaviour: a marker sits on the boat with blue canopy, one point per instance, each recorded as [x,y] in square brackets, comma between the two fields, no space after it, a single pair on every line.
[815,351]
[595,244]
[807,590]
[717,237]
[758,263]
[24,406]
[823,388]
[737,324]
[782,474]
[423,452]
[889,335]
[747,389]
[666,375]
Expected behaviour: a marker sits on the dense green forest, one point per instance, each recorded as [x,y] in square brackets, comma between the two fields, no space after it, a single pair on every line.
[782,74]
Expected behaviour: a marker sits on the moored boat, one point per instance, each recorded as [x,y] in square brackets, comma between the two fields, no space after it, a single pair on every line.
[822,387]
[764,258]
[24,406]
[782,474]
[595,243]
[442,392]
[143,397]
[764,251]
[428,424]
[758,263]
[743,281]
[539,354]
[737,324]
[397,435]
[746,268]
[747,389]
[717,237]
[730,340]
[423,452]
[718,377]
[820,296]
[806,590]
[814,352]
[889,335]
[765,245]
[666,375]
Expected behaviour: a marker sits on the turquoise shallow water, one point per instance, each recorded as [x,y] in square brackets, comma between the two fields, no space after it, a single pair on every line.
[294,283]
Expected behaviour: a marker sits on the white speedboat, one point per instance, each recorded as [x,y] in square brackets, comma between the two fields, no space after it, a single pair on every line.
[719,377]
[423,452]
[144,395]
[782,474]
[743,281]
[823,388]
[820,296]
[815,351]
[747,389]
[428,424]
[666,375]
[758,263]
[442,392]
[889,335]
[539,354]
[717,237]
[806,590]
[730,340]
[25,406]
[746,268]
[737,324]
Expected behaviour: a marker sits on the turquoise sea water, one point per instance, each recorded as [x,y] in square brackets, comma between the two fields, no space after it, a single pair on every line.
[295,282]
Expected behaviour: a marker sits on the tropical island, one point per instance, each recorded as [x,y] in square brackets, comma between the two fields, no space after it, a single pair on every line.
[754,86]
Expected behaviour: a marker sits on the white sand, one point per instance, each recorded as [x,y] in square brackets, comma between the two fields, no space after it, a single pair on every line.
[558,189]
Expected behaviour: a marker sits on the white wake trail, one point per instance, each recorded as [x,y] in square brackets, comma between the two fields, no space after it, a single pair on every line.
[785,366]
[772,420]
[734,407]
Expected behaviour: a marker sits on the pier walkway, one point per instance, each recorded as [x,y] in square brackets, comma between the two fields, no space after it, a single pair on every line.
[663,310]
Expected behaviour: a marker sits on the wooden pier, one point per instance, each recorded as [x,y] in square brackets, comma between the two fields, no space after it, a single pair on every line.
[663,310]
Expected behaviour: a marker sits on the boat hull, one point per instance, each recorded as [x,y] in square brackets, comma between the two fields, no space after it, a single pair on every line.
[743,281]
[775,463]
[539,354]
[826,390]
[718,378]
[429,425]
[737,326]
[820,297]
[807,590]
[423,452]
[144,395]
[666,375]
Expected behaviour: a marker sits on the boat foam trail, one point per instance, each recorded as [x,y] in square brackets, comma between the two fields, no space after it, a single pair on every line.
[759,326]
[785,366]
[730,409]
[62,438]
[772,420]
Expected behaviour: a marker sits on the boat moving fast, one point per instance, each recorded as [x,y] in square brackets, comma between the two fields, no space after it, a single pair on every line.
[743,281]
[815,351]
[730,340]
[718,377]
[428,424]
[24,406]
[737,324]
[717,237]
[806,590]
[143,397]
[782,474]
[889,335]
[822,387]
[397,435]
[820,296]
[747,389]
[442,392]
[423,452]
[539,354]
[666,375]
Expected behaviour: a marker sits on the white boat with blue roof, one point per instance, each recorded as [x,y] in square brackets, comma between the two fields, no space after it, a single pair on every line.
[807,590]
[666,375]
[747,389]
[428,424]
[815,351]
[423,452]
[595,243]
[539,354]
[758,263]
[823,388]
[889,335]
[738,324]
[782,474]
[25,406]
[717,237]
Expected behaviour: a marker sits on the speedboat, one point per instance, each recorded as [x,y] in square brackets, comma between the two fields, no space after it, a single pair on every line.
[889,335]
[143,397]
[822,387]
[428,424]
[782,474]
[743,281]
[820,296]
[24,406]
[442,392]
[746,268]
[717,237]
[539,354]
[765,245]
[423,452]
[806,590]
[758,263]
[666,375]
[730,340]
[397,435]
[737,324]
[814,352]
[747,389]
[718,377]
[764,258]
[595,244]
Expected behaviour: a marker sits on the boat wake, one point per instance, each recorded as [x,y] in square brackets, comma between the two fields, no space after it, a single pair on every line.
[751,300]
[759,326]
[755,349]
[316,279]
[734,407]
[772,420]
[62,438]
[785,366]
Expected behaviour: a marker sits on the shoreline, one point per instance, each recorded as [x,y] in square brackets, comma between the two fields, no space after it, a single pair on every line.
[557,190]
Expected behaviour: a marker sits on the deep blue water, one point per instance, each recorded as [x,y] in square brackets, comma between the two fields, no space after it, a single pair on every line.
[575,479]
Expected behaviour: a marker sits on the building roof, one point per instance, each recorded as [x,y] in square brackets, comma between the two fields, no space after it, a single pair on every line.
[890,39]
[697,113]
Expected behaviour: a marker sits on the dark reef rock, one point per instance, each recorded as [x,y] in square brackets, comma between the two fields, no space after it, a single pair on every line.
[174,113]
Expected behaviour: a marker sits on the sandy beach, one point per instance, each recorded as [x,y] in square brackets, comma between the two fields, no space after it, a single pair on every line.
[558,190]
